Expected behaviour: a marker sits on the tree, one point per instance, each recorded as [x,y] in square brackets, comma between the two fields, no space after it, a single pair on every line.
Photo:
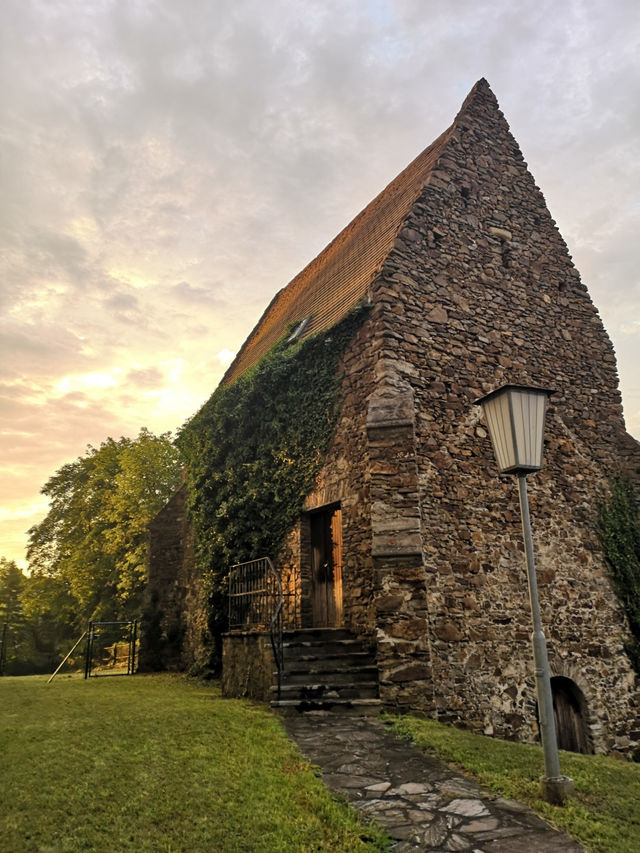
[49,613]
[25,648]
[12,639]
[92,542]
[148,474]
[11,580]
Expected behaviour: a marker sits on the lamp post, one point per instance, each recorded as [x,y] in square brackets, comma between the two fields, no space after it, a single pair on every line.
[515,417]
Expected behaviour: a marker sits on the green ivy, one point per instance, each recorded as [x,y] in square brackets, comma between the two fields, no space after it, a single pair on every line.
[253,452]
[619,531]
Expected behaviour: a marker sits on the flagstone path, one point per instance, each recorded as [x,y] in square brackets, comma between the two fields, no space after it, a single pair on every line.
[420,801]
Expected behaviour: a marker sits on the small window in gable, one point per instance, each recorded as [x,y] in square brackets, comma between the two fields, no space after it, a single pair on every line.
[299,329]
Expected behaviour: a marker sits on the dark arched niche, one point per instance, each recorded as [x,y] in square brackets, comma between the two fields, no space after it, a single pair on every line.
[571,716]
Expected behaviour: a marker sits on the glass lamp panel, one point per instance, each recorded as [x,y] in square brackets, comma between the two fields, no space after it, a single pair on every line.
[527,413]
[498,416]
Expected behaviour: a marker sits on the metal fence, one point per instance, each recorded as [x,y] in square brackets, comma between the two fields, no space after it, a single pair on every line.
[258,602]
[255,592]
[111,648]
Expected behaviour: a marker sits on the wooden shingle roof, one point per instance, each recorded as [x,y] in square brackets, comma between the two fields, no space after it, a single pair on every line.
[339,277]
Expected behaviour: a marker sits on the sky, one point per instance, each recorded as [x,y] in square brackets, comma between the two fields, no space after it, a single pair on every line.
[168,165]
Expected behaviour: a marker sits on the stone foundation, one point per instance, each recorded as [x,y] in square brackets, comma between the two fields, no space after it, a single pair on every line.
[174,632]
[247,666]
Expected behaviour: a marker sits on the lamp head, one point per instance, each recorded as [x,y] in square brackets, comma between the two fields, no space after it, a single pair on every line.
[515,418]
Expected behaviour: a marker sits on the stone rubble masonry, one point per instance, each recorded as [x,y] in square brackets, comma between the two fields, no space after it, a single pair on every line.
[479,290]
[404,658]
[345,479]
[174,633]
[247,666]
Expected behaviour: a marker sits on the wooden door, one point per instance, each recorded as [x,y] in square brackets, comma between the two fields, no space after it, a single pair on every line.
[569,708]
[326,568]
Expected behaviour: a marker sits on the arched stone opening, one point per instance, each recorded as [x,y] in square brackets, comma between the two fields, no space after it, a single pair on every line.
[571,716]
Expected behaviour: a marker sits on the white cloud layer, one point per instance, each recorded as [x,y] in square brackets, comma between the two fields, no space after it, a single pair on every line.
[168,166]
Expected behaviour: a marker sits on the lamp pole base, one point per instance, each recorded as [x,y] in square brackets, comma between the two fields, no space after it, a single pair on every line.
[555,790]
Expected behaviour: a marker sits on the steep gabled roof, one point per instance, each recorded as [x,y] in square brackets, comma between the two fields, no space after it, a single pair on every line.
[340,276]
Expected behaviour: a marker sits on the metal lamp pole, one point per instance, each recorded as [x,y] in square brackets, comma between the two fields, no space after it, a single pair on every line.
[515,416]
[541,661]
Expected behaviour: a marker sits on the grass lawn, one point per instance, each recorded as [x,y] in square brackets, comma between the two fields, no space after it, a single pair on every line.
[604,814]
[157,763]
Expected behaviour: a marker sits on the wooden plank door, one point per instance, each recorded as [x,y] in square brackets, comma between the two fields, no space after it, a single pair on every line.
[326,568]
[571,728]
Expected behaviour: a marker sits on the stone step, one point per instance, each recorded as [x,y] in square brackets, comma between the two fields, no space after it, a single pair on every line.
[317,634]
[323,663]
[327,671]
[351,707]
[337,648]
[311,692]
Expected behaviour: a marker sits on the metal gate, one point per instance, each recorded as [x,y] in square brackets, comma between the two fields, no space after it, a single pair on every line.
[111,648]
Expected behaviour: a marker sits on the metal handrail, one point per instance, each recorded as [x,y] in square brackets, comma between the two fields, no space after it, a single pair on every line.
[255,603]
[275,635]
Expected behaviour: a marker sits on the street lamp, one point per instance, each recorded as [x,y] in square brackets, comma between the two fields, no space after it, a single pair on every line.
[515,418]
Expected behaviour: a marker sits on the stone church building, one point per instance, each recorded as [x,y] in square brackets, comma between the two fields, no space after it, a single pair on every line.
[410,541]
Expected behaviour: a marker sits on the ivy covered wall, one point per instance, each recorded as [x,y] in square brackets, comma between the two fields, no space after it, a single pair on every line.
[619,530]
[253,452]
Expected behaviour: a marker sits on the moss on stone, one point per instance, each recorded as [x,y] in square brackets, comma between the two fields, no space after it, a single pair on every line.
[619,531]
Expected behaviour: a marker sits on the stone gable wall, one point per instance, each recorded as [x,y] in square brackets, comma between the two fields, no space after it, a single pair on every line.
[480,291]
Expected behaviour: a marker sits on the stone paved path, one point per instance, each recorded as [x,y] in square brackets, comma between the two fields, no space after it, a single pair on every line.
[420,801]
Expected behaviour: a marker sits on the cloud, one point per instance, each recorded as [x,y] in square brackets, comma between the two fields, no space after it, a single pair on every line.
[225,357]
[168,167]
[195,296]
[32,348]
[144,378]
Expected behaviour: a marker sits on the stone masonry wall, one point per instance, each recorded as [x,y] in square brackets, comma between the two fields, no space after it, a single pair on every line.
[247,666]
[174,633]
[404,654]
[371,470]
[480,291]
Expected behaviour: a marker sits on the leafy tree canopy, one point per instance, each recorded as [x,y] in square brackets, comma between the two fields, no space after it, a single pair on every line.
[88,554]
[28,639]
[11,581]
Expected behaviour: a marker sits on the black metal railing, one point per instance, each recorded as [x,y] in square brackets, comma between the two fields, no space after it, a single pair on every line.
[256,604]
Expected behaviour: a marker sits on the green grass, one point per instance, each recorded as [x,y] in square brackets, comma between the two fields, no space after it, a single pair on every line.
[157,763]
[604,813]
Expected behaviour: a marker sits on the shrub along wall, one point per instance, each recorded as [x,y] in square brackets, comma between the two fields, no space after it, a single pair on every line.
[619,529]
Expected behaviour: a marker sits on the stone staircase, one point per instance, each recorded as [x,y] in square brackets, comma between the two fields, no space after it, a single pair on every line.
[327,669]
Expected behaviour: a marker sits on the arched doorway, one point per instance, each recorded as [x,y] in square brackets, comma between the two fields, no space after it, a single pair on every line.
[570,714]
